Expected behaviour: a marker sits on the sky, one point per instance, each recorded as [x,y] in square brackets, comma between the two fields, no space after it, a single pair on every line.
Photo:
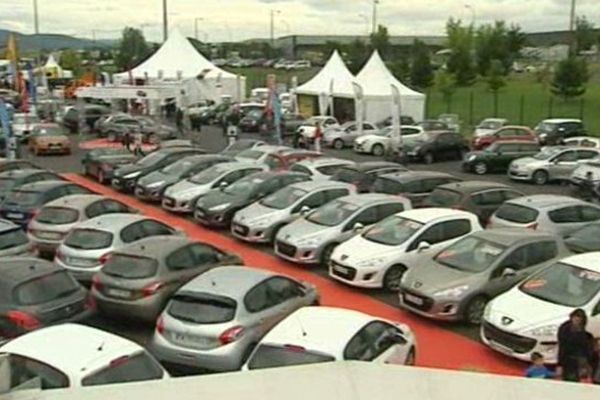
[223,20]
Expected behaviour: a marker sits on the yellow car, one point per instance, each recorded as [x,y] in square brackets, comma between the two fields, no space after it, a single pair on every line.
[49,139]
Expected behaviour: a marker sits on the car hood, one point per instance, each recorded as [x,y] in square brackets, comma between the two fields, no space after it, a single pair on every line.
[366,138]
[302,230]
[528,162]
[186,188]
[256,212]
[359,249]
[127,169]
[217,197]
[157,176]
[433,277]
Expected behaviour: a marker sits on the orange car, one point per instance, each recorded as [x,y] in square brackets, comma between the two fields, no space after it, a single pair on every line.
[49,139]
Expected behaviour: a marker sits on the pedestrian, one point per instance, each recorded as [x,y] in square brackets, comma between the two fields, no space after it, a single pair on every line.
[138,139]
[318,136]
[596,362]
[575,347]
[537,369]
[179,120]
[127,139]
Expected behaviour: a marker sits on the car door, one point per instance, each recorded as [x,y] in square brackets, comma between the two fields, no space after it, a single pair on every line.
[365,217]
[444,146]
[349,134]
[505,154]
[585,155]
[311,202]
[262,306]
[181,268]
[287,296]
[562,165]
[155,228]
[377,342]
[567,219]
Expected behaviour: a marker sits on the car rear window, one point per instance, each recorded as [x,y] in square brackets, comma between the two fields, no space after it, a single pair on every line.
[202,308]
[516,213]
[57,215]
[23,197]
[251,154]
[388,186]
[130,267]
[135,368]
[45,288]
[89,239]
[444,198]
[267,356]
[348,175]
[12,238]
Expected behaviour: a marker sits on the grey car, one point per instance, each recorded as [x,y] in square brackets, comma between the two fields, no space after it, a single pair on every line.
[138,280]
[260,222]
[87,247]
[214,321]
[344,136]
[551,164]
[151,187]
[55,220]
[322,168]
[35,293]
[312,239]
[13,241]
[460,280]
[560,215]
[11,180]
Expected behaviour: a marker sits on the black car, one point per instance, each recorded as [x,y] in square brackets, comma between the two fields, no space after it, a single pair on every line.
[552,131]
[584,240]
[21,204]
[8,165]
[362,175]
[91,114]
[218,206]
[253,121]
[101,163]
[414,185]
[434,146]
[125,177]
[498,156]
[10,180]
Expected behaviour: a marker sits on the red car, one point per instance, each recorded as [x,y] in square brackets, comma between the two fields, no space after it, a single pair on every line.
[521,133]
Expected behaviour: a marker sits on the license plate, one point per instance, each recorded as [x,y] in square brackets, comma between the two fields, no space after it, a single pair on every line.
[413,299]
[341,269]
[48,235]
[123,294]
[190,340]
[15,215]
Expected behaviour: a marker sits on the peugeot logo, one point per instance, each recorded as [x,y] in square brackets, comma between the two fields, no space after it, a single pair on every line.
[417,284]
[507,321]
[287,237]
[344,257]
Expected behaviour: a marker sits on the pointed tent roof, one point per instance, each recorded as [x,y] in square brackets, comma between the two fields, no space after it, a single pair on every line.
[335,70]
[376,80]
[51,62]
[176,54]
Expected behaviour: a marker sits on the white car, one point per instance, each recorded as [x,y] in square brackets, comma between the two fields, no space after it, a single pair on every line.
[526,318]
[344,135]
[381,255]
[324,334]
[23,125]
[380,142]
[488,126]
[259,155]
[322,168]
[70,356]
[584,172]
[582,141]
[309,127]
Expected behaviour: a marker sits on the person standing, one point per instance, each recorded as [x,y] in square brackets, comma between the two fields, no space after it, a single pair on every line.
[179,121]
[575,347]
[318,137]
[138,139]
[127,139]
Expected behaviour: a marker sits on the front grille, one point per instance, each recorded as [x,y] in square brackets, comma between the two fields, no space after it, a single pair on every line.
[410,298]
[518,344]
[241,230]
[286,249]
[343,271]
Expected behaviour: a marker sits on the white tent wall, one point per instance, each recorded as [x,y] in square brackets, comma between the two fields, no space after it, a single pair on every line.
[379,108]
[213,88]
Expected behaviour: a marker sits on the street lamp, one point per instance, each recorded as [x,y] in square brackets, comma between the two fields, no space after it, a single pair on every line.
[196,27]
[273,12]
[165,21]
[473,13]
[374,27]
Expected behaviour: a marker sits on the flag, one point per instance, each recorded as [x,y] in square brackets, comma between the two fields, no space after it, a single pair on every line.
[359,107]
[12,55]
[32,84]
[396,113]
[331,98]
[277,115]
[323,103]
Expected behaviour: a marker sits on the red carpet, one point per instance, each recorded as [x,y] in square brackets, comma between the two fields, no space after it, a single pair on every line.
[104,143]
[437,347]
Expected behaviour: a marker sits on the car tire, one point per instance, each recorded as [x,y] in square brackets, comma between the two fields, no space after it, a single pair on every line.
[473,312]
[428,158]
[378,150]
[392,277]
[411,357]
[540,177]
[480,168]
[326,255]
[338,144]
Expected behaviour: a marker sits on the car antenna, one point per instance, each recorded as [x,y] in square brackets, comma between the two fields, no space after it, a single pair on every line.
[304,334]
[101,347]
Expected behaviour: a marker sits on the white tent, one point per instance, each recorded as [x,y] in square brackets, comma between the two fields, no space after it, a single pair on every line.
[376,81]
[178,60]
[52,69]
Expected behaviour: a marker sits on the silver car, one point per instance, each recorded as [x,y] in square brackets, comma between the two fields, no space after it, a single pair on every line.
[55,220]
[551,164]
[13,241]
[344,136]
[321,168]
[214,321]
[182,196]
[560,215]
[89,244]
[460,280]
[312,239]
[261,221]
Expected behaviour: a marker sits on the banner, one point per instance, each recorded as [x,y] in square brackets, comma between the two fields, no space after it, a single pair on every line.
[359,107]
[331,111]
[323,103]
[12,55]
[6,128]
[396,113]
[32,84]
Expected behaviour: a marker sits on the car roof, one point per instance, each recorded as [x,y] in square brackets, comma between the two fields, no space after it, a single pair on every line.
[473,186]
[587,261]
[560,120]
[232,281]
[111,222]
[70,348]
[324,161]
[200,158]
[235,165]
[75,201]
[43,185]
[319,185]
[510,236]
[509,141]
[369,198]
[426,215]
[18,269]
[175,149]
[495,119]
[21,173]
[370,165]
[405,176]
[272,174]
[156,247]
[541,201]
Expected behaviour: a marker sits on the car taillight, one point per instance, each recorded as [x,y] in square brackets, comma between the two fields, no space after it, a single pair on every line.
[96,284]
[231,335]
[23,320]
[160,325]
[151,289]
[117,362]
[533,226]
[90,303]
[294,348]
[104,259]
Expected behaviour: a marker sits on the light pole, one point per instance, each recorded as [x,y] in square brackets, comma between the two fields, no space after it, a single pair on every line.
[473,13]
[273,12]
[374,21]
[165,21]
[367,23]
[572,26]
[196,26]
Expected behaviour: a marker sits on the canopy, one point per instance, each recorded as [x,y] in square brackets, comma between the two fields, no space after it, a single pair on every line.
[52,69]
[335,70]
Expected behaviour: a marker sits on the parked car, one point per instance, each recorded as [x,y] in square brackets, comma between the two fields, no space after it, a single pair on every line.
[54,221]
[9,165]
[551,164]
[479,197]
[152,187]
[49,139]
[114,126]
[513,133]
[137,281]
[291,123]
[23,125]
[305,337]
[553,131]
[381,255]
[91,113]
[414,185]
[526,319]
[585,239]
[436,146]
[102,163]
[434,125]
[13,179]
[582,141]
[459,281]
[71,356]
[13,241]
[240,145]
[21,204]
[276,157]
[214,321]
[313,238]
[252,121]
[345,134]
[363,175]
[322,168]
[452,120]
[36,293]
[498,156]
[405,120]
[308,128]
[488,126]
[182,196]
[260,221]
[151,130]
[88,245]
[217,207]
[381,142]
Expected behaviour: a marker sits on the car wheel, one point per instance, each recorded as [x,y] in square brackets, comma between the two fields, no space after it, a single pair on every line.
[378,150]
[392,278]
[540,177]
[428,158]
[326,255]
[111,137]
[474,310]
[338,144]
[480,168]
[411,358]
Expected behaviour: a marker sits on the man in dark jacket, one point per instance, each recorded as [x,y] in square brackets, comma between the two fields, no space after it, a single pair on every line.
[575,347]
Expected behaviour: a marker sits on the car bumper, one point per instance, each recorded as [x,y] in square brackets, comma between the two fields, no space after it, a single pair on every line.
[176,206]
[123,185]
[84,275]
[146,309]
[209,219]
[359,149]
[251,235]
[371,278]
[147,194]
[429,307]
[298,255]
[519,175]
[517,346]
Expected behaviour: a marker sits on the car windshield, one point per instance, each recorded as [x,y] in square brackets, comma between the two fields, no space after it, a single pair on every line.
[332,213]
[178,168]
[517,213]
[23,198]
[202,308]
[388,186]
[545,127]
[88,239]
[254,114]
[151,159]
[392,231]
[347,175]
[46,288]
[490,124]
[471,254]
[444,198]
[133,368]
[12,238]
[57,215]
[130,267]
[208,175]
[251,154]
[283,198]
[546,153]
[243,187]
[267,356]
[48,131]
[563,284]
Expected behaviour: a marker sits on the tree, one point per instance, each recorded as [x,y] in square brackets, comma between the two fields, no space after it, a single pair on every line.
[133,49]
[401,69]
[380,41]
[585,34]
[421,72]
[496,81]
[357,54]
[460,43]
[70,60]
[570,78]
[446,85]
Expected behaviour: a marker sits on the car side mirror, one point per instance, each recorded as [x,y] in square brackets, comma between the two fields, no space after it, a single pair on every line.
[305,210]
[509,273]
[423,246]
[223,185]
[358,227]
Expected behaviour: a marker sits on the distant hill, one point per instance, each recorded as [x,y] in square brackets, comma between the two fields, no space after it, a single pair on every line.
[48,41]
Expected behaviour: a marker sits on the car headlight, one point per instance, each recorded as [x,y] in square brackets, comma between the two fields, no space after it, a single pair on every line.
[155,184]
[132,175]
[545,331]
[308,242]
[472,158]
[452,292]
[373,262]
[220,207]
[487,311]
